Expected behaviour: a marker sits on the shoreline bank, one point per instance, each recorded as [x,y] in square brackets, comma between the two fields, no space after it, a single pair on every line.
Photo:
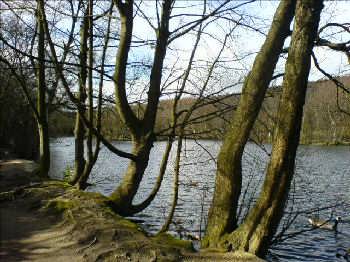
[53,221]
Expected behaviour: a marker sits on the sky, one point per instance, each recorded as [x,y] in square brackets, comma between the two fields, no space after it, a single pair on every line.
[244,42]
[240,50]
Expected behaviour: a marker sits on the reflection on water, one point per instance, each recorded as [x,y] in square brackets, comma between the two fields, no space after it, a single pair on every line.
[322,179]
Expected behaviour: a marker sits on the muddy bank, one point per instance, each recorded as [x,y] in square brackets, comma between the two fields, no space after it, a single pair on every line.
[52,221]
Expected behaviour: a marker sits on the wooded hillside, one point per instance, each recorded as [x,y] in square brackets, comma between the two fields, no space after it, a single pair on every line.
[323,122]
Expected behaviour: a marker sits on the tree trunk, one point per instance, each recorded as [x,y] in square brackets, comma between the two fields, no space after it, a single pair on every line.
[222,215]
[44,149]
[82,181]
[123,196]
[90,84]
[79,160]
[79,132]
[255,234]
[142,130]
[91,157]
[44,161]
[170,217]
[145,203]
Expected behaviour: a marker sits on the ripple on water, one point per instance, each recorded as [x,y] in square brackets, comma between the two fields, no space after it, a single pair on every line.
[322,178]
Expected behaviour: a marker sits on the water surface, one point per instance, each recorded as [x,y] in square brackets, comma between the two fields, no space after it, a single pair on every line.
[322,179]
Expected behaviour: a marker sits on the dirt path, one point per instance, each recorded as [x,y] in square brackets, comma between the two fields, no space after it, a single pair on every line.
[26,236]
[52,221]
[25,233]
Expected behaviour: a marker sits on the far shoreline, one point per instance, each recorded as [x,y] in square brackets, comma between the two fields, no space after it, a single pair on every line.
[337,143]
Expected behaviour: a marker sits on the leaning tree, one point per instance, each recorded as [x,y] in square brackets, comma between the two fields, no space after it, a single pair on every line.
[256,231]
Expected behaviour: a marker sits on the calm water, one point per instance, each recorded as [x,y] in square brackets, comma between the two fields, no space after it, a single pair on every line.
[322,179]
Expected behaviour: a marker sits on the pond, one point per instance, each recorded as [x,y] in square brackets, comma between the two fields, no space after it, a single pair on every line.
[322,179]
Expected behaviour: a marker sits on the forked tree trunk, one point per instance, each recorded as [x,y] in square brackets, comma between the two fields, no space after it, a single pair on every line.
[82,119]
[255,234]
[123,196]
[163,165]
[142,130]
[222,215]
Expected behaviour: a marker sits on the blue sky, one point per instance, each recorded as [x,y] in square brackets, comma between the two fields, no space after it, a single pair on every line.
[241,47]
[244,42]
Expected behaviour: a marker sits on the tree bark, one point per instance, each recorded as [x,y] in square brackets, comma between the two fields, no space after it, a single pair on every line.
[42,120]
[170,217]
[79,132]
[90,84]
[222,214]
[44,149]
[91,155]
[58,66]
[145,203]
[142,130]
[255,234]
[123,196]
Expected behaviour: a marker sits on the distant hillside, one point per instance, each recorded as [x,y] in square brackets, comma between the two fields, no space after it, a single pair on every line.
[323,120]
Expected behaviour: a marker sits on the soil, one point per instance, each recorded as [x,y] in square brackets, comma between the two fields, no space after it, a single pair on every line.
[52,221]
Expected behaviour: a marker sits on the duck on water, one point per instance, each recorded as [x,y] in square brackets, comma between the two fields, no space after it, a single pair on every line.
[331,224]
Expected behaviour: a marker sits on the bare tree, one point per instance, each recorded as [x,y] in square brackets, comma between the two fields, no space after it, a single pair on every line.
[222,215]
[255,233]
[39,107]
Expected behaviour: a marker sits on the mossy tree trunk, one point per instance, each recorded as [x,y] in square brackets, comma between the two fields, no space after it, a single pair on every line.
[83,167]
[42,118]
[91,155]
[222,215]
[124,194]
[255,234]
[79,131]
[82,174]
[142,130]
[58,66]
[163,165]
[171,137]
